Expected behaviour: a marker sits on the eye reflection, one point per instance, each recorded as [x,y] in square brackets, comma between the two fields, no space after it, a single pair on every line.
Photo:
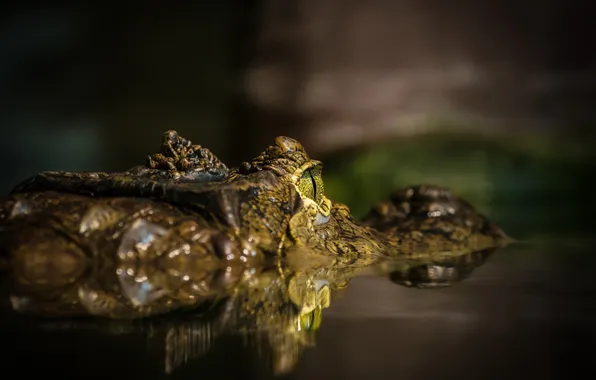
[310,321]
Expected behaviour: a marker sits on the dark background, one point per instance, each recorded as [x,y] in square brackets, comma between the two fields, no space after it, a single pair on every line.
[90,86]
[494,98]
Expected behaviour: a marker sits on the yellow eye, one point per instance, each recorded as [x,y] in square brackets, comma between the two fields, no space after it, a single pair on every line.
[306,185]
[311,184]
[319,186]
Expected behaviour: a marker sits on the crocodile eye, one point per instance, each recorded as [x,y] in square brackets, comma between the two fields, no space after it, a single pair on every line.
[318,184]
[311,184]
[307,185]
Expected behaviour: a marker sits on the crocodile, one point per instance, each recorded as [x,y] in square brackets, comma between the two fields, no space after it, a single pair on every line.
[183,229]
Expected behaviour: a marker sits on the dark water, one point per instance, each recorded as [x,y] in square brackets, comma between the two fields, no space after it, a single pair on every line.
[528,311]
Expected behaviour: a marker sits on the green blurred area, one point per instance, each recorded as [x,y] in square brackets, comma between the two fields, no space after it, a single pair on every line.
[535,186]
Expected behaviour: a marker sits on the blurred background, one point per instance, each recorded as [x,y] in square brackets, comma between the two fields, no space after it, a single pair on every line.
[493,99]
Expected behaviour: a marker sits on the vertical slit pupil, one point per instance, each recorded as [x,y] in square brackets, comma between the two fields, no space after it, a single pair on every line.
[314,184]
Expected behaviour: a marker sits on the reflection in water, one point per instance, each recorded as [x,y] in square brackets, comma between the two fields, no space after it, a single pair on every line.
[277,312]
[277,326]
[255,251]
[438,273]
[184,342]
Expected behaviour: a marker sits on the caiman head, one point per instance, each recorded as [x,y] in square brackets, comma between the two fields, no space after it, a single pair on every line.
[286,165]
[288,160]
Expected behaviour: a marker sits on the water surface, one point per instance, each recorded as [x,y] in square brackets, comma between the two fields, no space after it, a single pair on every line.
[528,311]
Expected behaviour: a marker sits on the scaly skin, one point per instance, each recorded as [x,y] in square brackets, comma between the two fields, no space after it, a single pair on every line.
[183,230]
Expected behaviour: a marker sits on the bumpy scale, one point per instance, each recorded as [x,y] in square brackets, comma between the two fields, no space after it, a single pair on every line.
[183,229]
